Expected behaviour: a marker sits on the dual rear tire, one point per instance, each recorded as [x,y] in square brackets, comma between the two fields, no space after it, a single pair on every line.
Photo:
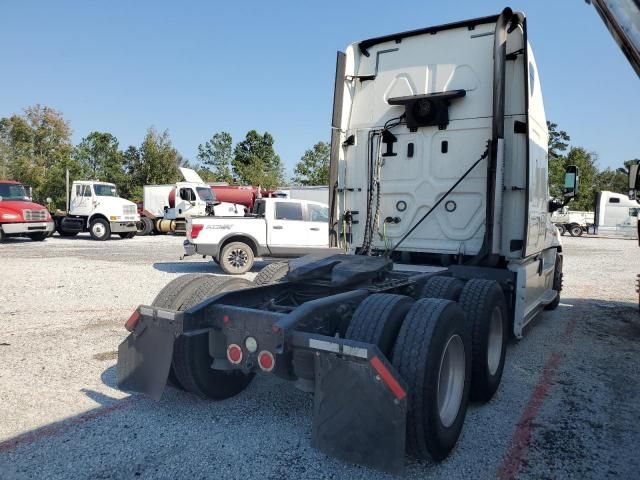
[191,364]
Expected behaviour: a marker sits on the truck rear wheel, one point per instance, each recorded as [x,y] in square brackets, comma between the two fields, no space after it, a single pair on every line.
[448,288]
[378,320]
[272,273]
[191,360]
[99,229]
[561,229]
[2,236]
[575,230]
[433,355]
[236,258]
[166,298]
[146,226]
[127,234]
[486,309]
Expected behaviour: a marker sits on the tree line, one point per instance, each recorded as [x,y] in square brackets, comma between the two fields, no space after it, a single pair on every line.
[36,149]
[592,179]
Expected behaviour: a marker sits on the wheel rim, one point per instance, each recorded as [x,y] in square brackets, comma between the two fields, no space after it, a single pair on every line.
[238,258]
[451,380]
[494,345]
[575,231]
[98,230]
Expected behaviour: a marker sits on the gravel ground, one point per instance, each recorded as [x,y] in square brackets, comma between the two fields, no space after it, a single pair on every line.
[567,407]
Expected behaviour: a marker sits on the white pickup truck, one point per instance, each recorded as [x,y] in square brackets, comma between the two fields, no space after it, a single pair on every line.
[277,227]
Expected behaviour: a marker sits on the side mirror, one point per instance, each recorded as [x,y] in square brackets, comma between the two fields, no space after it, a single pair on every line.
[571,182]
[634,180]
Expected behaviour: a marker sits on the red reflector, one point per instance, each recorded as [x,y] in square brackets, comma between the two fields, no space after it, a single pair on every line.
[133,319]
[234,353]
[226,319]
[196,229]
[386,376]
[266,361]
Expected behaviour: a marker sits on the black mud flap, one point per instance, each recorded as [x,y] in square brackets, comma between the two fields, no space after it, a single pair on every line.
[360,411]
[144,358]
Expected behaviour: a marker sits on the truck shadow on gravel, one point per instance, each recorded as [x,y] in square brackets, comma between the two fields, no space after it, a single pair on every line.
[199,267]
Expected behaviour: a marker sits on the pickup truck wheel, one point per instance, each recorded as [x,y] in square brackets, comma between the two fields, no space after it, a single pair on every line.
[433,355]
[191,360]
[378,320]
[166,298]
[38,237]
[575,230]
[272,273]
[557,283]
[100,229]
[236,258]
[561,229]
[486,310]
[448,288]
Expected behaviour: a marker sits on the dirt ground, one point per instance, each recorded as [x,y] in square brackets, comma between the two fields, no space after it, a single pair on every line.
[568,406]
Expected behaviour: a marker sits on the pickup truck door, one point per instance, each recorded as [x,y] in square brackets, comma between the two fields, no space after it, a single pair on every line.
[317,225]
[288,231]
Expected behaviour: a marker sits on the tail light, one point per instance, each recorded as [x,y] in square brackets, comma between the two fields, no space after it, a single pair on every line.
[196,229]
[234,353]
[266,361]
[133,319]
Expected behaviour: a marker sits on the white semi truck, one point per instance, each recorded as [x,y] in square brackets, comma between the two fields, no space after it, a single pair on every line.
[165,208]
[438,192]
[95,207]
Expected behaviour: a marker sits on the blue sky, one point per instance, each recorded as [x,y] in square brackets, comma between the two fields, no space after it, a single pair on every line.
[195,68]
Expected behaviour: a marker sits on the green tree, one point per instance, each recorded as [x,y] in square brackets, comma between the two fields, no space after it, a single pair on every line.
[587,170]
[558,140]
[34,145]
[255,161]
[216,155]
[99,154]
[156,162]
[558,144]
[313,167]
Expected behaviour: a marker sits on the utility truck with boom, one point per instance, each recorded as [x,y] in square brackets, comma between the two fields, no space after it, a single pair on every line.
[165,208]
[20,216]
[439,204]
[95,207]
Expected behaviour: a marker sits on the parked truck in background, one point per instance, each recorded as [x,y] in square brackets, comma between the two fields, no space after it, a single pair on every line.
[95,207]
[572,221]
[277,227]
[19,216]
[165,208]
[615,215]
[439,194]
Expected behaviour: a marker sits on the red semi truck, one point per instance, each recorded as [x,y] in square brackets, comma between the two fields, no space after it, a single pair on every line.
[19,216]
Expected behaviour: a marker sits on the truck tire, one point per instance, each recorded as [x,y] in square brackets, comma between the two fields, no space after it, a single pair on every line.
[236,258]
[575,230]
[448,288]
[62,232]
[2,236]
[557,283]
[166,298]
[433,355]
[38,237]
[378,320]
[127,235]
[147,226]
[272,273]
[561,229]
[486,308]
[100,229]
[191,360]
